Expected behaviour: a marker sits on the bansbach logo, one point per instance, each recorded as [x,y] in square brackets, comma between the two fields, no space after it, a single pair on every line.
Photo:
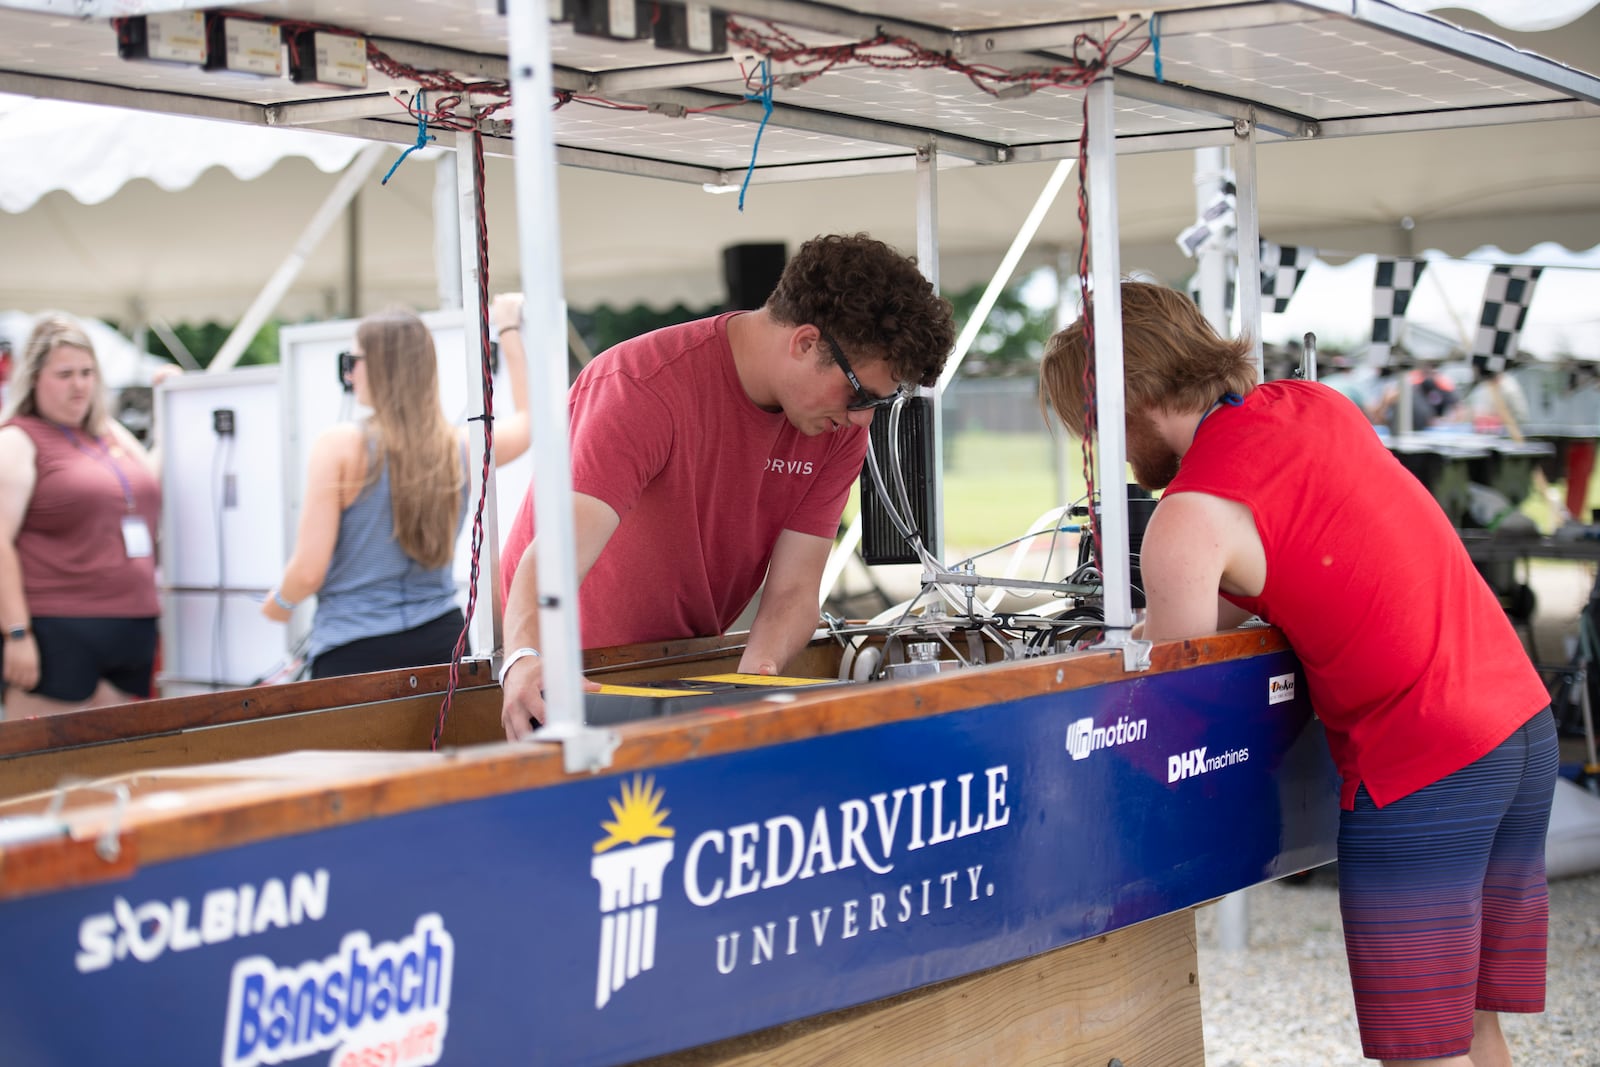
[630,884]
[1083,737]
[1280,687]
[385,1003]
[1188,764]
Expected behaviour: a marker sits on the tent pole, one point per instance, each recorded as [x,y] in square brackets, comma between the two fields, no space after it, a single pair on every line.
[1246,209]
[447,230]
[1211,267]
[487,621]
[343,192]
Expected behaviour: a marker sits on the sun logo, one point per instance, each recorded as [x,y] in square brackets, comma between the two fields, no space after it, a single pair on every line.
[630,884]
[637,816]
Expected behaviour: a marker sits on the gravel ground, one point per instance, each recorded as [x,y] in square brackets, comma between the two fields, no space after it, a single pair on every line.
[1285,1001]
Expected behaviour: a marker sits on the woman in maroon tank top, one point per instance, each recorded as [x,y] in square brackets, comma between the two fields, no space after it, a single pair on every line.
[79,508]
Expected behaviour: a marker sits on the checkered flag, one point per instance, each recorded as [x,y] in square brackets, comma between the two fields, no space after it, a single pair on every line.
[1392,286]
[1505,306]
[1282,267]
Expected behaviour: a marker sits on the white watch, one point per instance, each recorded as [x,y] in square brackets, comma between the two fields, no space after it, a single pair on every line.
[521,653]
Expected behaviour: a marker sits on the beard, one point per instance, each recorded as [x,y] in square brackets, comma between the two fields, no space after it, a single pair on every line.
[1154,462]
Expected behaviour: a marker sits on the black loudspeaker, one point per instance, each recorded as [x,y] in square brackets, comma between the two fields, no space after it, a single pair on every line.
[1140,507]
[752,272]
[881,540]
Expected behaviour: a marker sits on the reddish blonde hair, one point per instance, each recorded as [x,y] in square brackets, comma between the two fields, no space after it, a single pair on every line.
[1172,359]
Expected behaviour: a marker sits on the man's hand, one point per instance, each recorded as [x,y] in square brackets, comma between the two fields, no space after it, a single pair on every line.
[522,707]
[22,663]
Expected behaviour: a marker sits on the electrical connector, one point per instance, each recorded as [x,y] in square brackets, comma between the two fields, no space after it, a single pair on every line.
[172,37]
[323,58]
[692,28]
[222,422]
[245,46]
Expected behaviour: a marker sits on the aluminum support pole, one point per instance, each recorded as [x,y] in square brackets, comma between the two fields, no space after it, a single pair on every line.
[1106,274]
[487,618]
[544,322]
[1233,910]
[1246,209]
[928,261]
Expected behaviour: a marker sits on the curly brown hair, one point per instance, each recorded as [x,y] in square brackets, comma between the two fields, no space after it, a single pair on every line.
[1172,358]
[862,292]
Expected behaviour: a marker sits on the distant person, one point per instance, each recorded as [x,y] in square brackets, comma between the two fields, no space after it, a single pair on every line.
[80,505]
[385,499]
[1433,399]
[1281,502]
[710,456]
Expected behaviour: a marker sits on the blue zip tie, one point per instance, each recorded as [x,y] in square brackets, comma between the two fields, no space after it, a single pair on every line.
[1155,42]
[419,109]
[765,96]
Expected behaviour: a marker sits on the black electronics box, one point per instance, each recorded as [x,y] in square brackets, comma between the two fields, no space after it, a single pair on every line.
[652,700]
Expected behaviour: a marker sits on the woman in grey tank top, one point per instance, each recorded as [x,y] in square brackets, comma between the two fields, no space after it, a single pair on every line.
[385,500]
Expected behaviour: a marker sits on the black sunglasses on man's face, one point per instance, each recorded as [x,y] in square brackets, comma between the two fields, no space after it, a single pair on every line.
[864,400]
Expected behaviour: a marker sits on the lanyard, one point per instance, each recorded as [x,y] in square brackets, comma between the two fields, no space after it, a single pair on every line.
[1233,400]
[103,455]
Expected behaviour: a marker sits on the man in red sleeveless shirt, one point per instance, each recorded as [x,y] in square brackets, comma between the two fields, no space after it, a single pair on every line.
[712,456]
[1282,502]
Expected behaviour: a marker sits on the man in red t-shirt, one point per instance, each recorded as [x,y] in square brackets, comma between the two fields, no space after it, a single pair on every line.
[1282,502]
[714,455]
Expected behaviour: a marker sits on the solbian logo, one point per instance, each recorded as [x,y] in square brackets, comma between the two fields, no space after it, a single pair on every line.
[1280,688]
[1083,737]
[630,884]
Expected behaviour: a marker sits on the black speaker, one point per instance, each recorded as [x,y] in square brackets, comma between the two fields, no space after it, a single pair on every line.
[881,541]
[752,272]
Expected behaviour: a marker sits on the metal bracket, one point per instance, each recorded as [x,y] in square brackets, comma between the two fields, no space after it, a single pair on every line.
[1135,651]
[584,749]
[109,846]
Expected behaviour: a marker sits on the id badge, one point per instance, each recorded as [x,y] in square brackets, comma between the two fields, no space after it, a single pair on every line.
[136,537]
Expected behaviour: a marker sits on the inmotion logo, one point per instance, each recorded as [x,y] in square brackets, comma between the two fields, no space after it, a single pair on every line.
[1083,737]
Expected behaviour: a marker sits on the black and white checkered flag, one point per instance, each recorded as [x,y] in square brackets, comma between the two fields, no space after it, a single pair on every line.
[1505,306]
[1392,286]
[1282,267]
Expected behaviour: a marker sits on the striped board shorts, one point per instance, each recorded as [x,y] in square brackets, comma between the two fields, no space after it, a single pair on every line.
[1444,900]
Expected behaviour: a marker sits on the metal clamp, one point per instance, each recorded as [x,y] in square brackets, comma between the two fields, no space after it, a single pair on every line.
[584,749]
[109,846]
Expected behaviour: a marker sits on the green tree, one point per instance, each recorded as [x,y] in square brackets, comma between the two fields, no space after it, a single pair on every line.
[203,340]
[1012,339]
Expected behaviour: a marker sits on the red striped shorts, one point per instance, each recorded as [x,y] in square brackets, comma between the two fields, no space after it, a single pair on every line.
[1444,900]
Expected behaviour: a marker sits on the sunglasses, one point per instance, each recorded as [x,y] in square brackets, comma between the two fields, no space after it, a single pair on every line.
[864,400]
[347,366]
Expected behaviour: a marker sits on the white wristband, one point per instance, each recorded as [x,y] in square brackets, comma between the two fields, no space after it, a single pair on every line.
[521,653]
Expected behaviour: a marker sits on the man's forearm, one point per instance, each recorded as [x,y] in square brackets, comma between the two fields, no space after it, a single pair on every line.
[783,626]
[522,604]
